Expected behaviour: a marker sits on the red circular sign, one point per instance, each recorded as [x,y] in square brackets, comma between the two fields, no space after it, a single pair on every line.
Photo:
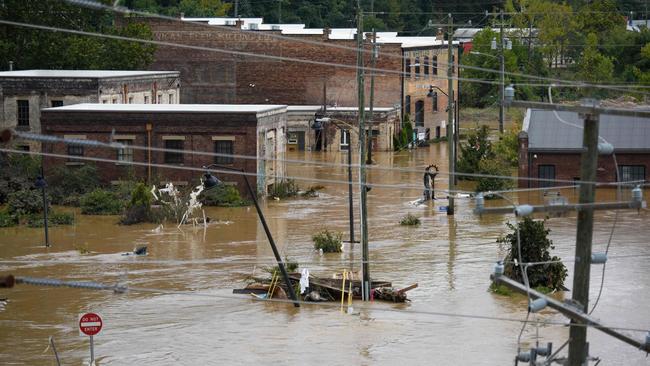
[90,324]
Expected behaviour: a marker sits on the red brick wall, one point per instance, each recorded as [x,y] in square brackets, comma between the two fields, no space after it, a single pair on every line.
[198,130]
[212,77]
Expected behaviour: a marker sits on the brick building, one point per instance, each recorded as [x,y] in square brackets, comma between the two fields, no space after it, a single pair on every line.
[25,93]
[307,132]
[257,131]
[550,148]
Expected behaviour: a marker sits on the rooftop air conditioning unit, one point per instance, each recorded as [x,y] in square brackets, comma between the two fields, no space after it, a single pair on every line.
[230,22]
[276,27]
[253,26]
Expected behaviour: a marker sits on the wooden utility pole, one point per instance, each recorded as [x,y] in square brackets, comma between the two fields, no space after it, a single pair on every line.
[502,74]
[363,213]
[581,272]
[450,115]
[373,63]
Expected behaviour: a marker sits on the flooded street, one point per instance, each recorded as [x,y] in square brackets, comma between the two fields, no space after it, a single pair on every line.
[451,259]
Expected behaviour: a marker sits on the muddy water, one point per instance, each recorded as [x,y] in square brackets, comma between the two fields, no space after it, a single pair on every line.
[450,257]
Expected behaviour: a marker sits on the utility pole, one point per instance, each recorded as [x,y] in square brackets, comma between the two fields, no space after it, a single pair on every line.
[279,11]
[236,8]
[373,62]
[450,115]
[588,165]
[502,84]
[365,286]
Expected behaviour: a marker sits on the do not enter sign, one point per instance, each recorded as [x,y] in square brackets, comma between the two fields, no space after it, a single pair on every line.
[90,324]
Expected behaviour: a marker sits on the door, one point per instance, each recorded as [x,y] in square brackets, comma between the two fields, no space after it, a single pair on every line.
[546,172]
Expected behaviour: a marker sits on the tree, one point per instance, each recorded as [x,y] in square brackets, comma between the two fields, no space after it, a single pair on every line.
[535,246]
[36,49]
[477,148]
[593,66]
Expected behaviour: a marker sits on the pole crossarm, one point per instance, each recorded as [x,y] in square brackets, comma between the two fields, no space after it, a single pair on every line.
[567,207]
[570,311]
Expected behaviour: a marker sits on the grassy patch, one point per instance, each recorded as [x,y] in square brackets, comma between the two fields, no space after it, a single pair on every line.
[410,220]
[53,219]
[101,202]
[328,241]
[501,290]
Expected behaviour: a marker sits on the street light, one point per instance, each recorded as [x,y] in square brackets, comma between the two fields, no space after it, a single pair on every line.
[42,184]
[210,181]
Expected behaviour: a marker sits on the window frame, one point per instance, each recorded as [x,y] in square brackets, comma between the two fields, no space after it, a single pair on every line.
[418,67]
[633,177]
[125,155]
[22,112]
[426,65]
[224,160]
[419,114]
[547,167]
[171,157]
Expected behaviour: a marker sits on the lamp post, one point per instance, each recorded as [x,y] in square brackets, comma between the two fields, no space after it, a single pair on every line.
[210,181]
[42,184]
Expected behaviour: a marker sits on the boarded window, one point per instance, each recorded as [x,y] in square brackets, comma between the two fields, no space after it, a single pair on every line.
[225,147]
[23,112]
[172,157]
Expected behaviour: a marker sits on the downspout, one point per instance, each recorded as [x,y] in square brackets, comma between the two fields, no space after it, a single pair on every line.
[149,127]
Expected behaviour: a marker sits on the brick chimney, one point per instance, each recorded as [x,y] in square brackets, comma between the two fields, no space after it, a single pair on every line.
[440,36]
[326,32]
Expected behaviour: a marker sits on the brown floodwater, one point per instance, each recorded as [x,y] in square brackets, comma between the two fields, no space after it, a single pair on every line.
[450,258]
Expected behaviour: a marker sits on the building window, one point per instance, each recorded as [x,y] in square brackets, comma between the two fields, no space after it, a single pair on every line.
[23,112]
[631,173]
[130,100]
[114,100]
[57,103]
[125,154]
[75,150]
[546,172]
[225,147]
[419,113]
[23,147]
[434,65]
[407,68]
[171,99]
[172,157]
[345,140]
[417,67]
[434,101]
[426,65]
[146,99]
[407,105]
[104,101]
[160,99]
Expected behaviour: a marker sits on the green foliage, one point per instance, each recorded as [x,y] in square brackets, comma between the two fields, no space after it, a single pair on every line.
[284,189]
[535,246]
[328,241]
[101,202]
[30,49]
[476,148]
[410,220]
[7,219]
[495,167]
[25,202]
[289,265]
[140,196]
[405,136]
[53,219]
[222,195]
[139,208]
[17,172]
[594,66]
[507,148]
[66,184]
[502,290]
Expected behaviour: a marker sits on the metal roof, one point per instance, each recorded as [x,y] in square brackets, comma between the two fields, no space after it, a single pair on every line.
[94,74]
[547,132]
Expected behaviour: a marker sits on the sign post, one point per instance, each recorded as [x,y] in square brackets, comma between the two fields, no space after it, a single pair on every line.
[90,324]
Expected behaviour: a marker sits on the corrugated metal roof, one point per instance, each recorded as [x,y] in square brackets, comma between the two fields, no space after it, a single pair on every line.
[546,132]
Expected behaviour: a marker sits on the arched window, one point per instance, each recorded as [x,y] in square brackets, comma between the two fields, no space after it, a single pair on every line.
[426,65]
[434,65]
[407,67]
[419,113]
[417,67]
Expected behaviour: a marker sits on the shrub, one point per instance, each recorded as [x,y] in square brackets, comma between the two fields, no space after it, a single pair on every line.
[410,220]
[53,219]
[139,208]
[494,167]
[17,172]
[477,148]
[284,189]
[25,202]
[7,219]
[328,241]
[289,265]
[140,196]
[67,185]
[222,195]
[101,202]
[507,148]
[535,247]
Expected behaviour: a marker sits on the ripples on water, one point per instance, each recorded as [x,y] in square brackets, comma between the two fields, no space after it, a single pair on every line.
[450,258]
